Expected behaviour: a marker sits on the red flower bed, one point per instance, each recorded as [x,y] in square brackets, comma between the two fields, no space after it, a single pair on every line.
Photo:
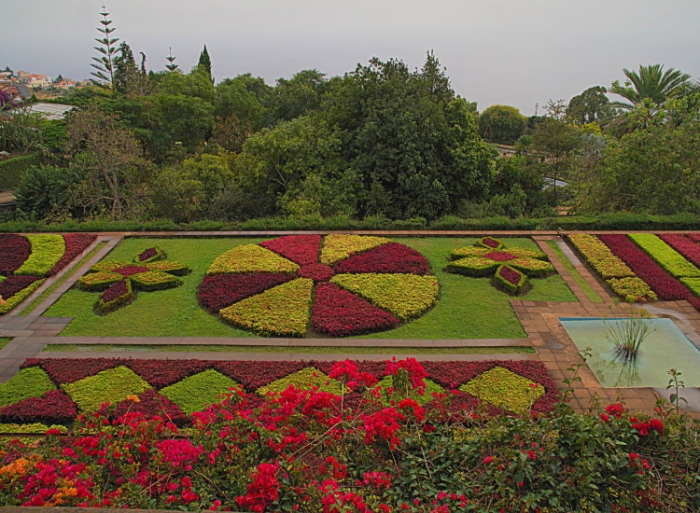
[510,275]
[151,403]
[391,257]
[76,243]
[341,313]
[116,290]
[130,270]
[13,284]
[14,250]
[302,249]
[162,373]
[316,272]
[68,370]
[146,254]
[54,407]
[695,237]
[221,290]
[665,285]
[684,245]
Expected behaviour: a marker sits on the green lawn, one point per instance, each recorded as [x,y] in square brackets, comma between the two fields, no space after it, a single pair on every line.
[580,280]
[467,308]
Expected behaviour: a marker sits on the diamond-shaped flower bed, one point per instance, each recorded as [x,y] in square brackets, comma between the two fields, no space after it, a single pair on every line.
[305,379]
[31,382]
[120,280]
[504,389]
[387,382]
[343,284]
[195,393]
[109,386]
[512,266]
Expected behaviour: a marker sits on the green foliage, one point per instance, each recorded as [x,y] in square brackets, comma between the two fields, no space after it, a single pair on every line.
[627,335]
[20,296]
[29,382]
[507,285]
[104,64]
[47,250]
[13,171]
[665,255]
[155,280]
[306,379]
[97,281]
[195,393]
[109,386]
[591,106]
[501,124]
[505,389]
[632,289]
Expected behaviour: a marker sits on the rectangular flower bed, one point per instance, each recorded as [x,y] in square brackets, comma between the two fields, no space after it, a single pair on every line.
[666,256]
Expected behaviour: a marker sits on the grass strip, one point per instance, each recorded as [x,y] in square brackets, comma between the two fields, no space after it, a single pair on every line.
[580,280]
[39,300]
[69,348]
[4,341]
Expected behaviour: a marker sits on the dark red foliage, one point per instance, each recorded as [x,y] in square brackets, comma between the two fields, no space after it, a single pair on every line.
[116,290]
[152,404]
[665,285]
[492,243]
[13,284]
[54,407]
[510,275]
[130,270]
[68,370]
[684,245]
[162,373]
[302,249]
[253,375]
[316,272]
[341,313]
[146,254]
[391,257]
[76,243]
[499,256]
[222,290]
[695,237]
[14,250]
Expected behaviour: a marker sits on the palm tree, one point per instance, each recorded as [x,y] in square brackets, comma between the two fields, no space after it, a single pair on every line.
[651,83]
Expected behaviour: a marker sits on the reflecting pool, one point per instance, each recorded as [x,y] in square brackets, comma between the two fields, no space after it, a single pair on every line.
[665,348]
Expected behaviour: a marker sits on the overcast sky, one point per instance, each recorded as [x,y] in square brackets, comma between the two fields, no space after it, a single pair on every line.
[513,52]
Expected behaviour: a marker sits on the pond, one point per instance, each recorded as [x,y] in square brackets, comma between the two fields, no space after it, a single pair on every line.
[665,348]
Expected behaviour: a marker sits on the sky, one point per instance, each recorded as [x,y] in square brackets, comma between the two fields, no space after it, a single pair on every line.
[512,52]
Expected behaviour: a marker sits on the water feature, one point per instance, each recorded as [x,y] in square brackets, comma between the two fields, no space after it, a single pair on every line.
[665,348]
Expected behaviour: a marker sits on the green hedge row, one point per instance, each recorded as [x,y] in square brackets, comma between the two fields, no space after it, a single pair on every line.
[12,169]
[623,222]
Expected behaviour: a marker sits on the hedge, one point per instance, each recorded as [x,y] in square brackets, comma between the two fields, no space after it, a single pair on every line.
[622,222]
[12,169]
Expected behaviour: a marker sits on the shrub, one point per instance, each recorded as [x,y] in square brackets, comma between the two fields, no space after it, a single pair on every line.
[511,280]
[14,249]
[197,392]
[667,257]
[16,289]
[251,258]
[12,169]
[117,295]
[337,247]
[109,386]
[155,280]
[599,256]
[632,290]
[150,255]
[31,382]
[47,250]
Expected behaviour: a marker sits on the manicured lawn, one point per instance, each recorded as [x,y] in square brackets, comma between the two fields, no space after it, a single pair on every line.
[580,280]
[467,308]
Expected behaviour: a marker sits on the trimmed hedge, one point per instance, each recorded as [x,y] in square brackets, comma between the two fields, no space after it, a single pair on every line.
[622,222]
[12,169]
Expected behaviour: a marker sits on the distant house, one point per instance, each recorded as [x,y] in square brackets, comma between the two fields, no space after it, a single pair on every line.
[35,80]
[66,84]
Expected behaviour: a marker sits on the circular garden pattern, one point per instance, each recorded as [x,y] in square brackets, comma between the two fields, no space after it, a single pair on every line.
[335,285]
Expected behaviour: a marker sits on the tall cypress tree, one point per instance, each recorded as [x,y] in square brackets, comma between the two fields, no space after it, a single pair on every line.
[205,63]
[104,76]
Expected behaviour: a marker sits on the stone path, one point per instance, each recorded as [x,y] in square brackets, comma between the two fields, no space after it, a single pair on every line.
[540,320]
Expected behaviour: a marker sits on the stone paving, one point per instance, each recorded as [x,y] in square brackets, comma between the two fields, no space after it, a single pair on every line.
[540,320]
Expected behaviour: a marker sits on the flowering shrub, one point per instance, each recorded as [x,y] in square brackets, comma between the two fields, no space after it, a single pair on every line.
[119,280]
[54,407]
[284,455]
[374,285]
[512,266]
[666,256]
[632,290]
[46,252]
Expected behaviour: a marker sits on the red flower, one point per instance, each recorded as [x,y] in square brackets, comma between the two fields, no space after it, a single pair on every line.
[488,459]
[604,417]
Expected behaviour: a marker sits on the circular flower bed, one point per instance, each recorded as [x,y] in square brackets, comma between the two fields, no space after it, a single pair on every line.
[335,285]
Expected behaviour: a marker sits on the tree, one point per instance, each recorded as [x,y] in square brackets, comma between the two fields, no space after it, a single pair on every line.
[171,66]
[501,124]
[297,96]
[591,106]
[205,63]
[44,191]
[129,79]
[111,172]
[652,83]
[104,76]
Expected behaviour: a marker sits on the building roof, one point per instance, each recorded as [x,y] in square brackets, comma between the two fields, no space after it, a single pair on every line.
[55,111]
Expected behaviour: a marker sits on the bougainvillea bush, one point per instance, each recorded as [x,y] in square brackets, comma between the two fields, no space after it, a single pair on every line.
[313,451]
[27,259]
[336,285]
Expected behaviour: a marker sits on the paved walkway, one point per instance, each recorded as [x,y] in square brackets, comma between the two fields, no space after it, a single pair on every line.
[540,320]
